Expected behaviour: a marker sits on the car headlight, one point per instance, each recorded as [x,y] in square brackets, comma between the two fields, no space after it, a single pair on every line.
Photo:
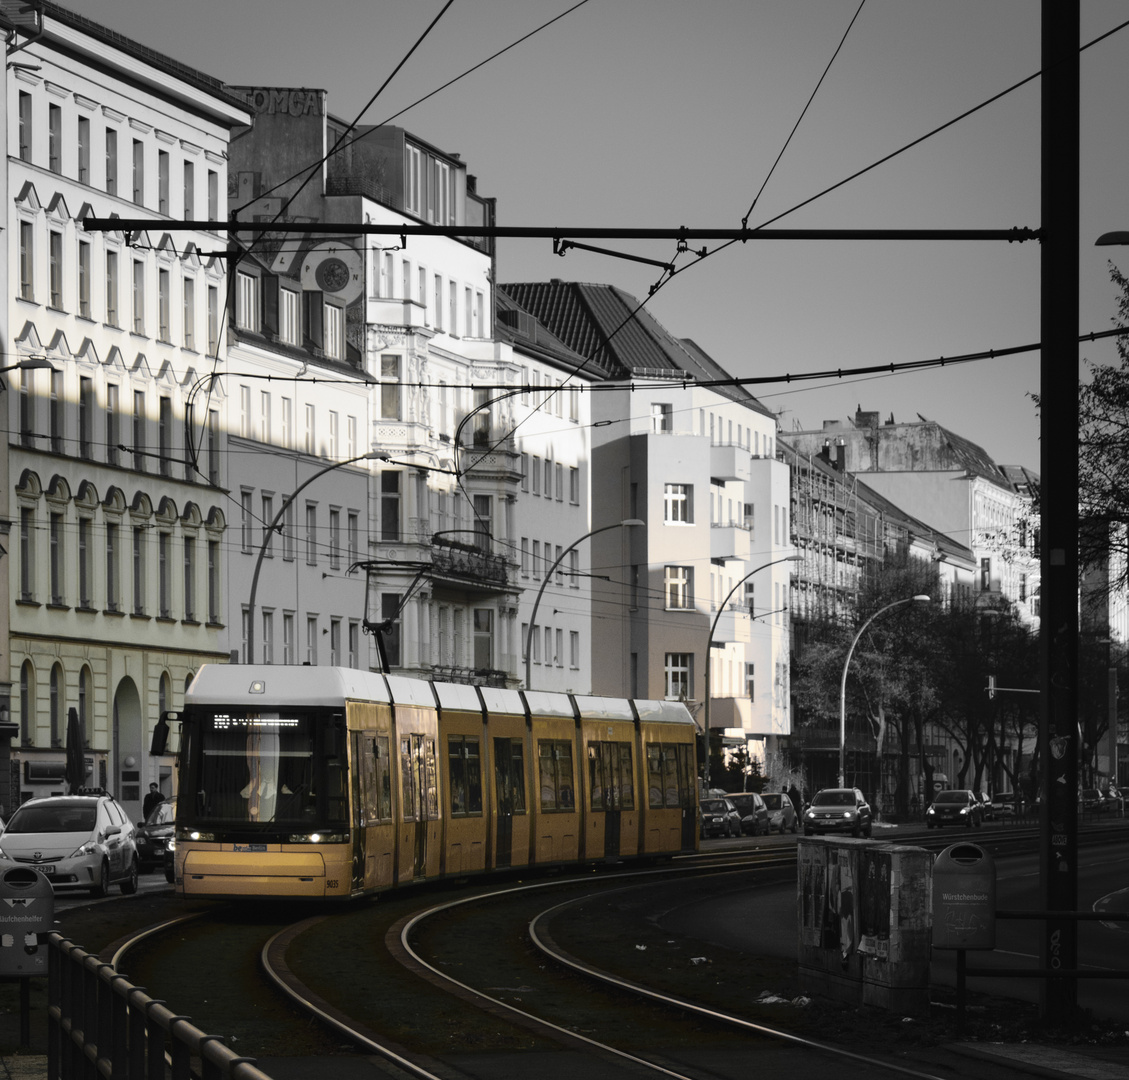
[930,812]
[5,855]
[848,814]
[966,809]
[89,848]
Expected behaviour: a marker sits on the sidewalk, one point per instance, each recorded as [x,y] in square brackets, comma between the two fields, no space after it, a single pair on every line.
[24,1067]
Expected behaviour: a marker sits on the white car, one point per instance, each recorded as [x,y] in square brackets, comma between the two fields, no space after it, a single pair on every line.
[82,841]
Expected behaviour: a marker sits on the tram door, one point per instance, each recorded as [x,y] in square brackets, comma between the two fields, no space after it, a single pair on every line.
[505,784]
[686,762]
[413,776]
[612,790]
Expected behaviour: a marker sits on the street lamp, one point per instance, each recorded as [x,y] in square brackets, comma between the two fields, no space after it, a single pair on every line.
[920,598]
[32,363]
[628,524]
[269,532]
[709,646]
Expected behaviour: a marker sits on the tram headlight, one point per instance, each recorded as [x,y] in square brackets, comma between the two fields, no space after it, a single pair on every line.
[319,838]
[195,834]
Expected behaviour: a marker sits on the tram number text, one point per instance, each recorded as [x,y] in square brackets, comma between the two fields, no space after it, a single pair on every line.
[331,883]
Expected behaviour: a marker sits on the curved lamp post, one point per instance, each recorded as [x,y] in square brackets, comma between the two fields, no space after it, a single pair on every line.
[920,598]
[709,646]
[628,524]
[286,503]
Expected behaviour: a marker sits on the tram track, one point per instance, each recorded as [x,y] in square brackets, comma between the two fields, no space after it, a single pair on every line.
[412,1025]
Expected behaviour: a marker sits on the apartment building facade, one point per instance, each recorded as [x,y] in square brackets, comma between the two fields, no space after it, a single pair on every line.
[118,521]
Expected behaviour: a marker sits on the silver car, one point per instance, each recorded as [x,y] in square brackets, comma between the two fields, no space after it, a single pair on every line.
[82,841]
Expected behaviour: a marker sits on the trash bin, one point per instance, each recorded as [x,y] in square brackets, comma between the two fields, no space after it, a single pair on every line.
[964,898]
[27,909]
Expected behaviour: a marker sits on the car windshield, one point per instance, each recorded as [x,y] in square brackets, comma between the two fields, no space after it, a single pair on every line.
[951,797]
[63,817]
[834,798]
[772,801]
[714,806]
[163,813]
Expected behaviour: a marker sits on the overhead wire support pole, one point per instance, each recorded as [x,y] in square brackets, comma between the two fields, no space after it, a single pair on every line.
[556,233]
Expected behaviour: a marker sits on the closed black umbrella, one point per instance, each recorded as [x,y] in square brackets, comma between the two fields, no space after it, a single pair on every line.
[75,772]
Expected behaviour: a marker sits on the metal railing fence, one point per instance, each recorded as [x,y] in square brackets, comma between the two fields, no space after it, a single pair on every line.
[99,1026]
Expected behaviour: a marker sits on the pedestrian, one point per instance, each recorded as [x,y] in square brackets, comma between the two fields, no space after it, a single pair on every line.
[154,798]
[794,795]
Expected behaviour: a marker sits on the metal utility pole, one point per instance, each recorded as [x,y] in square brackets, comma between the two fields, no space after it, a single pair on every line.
[1058,468]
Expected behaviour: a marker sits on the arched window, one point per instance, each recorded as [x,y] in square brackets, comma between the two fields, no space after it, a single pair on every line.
[27,703]
[85,703]
[164,692]
[58,689]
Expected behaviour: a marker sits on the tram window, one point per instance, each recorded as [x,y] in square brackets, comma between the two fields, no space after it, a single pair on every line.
[662,776]
[431,778]
[464,766]
[374,790]
[517,757]
[407,774]
[383,770]
[609,771]
[554,757]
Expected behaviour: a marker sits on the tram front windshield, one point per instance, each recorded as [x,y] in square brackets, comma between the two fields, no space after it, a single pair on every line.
[284,769]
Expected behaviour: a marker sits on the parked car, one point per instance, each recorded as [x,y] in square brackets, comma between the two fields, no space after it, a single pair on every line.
[81,841]
[781,812]
[988,811]
[754,813]
[719,818]
[838,810]
[154,833]
[1115,800]
[955,806]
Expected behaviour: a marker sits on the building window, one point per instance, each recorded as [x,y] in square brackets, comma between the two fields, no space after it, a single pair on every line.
[213,195]
[25,126]
[164,305]
[58,556]
[163,182]
[189,317]
[245,521]
[483,639]
[248,314]
[288,532]
[138,571]
[189,190]
[86,418]
[264,416]
[164,436]
[353,530]
[84,278]
[679,676]
[334,343]
[289,317]
[213,447]
[312,639]
[112,598]
[574,649]
[311,534]
[138,297]
[574,569]
[390,507]
[678,503]
[311,434]
[289,645]
[111,161]
[85,563]
[335,642]
[268,636]
[112,288]
[750,682]
[139,430]
[190,579]
[678,585]
[985,575]
[164,603]
[574,486]
[27,260]
[55,406]
[213,320]
[661,417]
[138,172]
[55,266]
[113,415]
[389,387]
[54,138]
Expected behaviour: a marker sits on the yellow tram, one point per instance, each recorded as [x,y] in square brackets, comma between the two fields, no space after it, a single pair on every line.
[329,783]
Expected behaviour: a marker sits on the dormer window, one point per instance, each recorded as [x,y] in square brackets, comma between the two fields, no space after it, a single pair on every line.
[248,304]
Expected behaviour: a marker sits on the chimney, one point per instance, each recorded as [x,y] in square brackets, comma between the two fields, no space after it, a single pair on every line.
[841,455]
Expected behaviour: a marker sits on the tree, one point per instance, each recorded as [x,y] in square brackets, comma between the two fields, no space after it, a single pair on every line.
[1103,450]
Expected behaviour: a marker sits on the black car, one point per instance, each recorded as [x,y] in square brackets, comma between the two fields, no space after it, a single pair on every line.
[955,806]
[838,810]
[154,833]
[719,818]
[753,811]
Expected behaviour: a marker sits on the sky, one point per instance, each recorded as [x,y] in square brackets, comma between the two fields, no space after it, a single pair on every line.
[661,113]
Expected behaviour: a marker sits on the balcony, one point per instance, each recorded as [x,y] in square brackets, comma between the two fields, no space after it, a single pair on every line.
[453,561]
[732,626]
[729,463]
[730,542]
[405,314]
